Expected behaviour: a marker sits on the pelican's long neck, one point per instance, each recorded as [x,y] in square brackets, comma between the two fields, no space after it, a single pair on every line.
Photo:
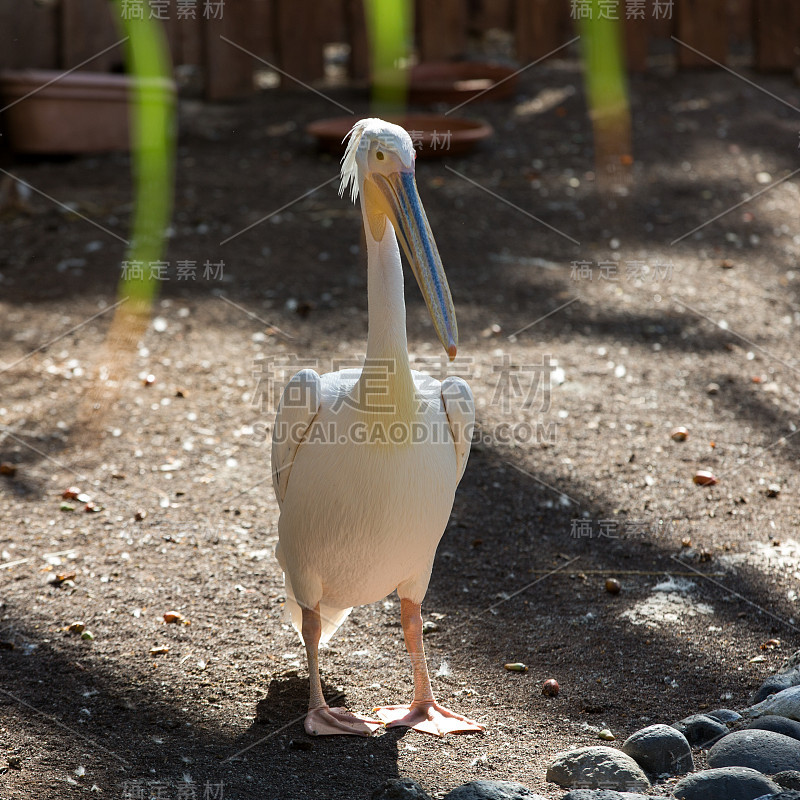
[387,345]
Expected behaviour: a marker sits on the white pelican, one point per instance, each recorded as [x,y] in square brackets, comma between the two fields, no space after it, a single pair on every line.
[365,462]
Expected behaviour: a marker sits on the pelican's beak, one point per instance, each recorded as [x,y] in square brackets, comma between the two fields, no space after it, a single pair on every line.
[402,206]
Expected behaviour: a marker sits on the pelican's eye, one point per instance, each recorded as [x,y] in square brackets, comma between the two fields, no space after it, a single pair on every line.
[379,155]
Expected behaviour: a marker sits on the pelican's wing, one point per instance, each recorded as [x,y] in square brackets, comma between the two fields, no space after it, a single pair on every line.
[460,409]
[299,406]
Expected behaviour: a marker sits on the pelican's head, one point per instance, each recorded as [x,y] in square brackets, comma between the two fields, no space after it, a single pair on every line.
[379,165]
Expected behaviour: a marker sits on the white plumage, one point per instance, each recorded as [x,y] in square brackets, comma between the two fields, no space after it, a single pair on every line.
[366,462]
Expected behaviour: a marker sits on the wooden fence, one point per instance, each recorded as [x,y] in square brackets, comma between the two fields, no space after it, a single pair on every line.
[292,34]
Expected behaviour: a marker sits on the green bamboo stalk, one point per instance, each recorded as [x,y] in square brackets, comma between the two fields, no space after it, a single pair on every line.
[152,152]
[607,90]
[152,115]
[389,27]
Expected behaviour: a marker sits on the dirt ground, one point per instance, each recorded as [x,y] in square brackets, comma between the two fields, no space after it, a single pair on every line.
[575,478]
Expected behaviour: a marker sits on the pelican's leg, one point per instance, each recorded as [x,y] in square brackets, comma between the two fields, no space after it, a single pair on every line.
[424,714]
[321,720]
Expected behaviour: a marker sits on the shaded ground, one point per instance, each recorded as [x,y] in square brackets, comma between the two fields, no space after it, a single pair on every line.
[592,487]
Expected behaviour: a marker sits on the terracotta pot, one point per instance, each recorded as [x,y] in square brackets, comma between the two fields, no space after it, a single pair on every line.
[434,135]
[459,81]
[49,112]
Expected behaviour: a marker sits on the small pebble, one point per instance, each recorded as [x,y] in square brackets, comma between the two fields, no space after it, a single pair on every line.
[606,735]
[429,626]
[71,493]
[679,434]
[704,477]
[492,331]
[712,388]
[550,687]
[773,490]
[613,586]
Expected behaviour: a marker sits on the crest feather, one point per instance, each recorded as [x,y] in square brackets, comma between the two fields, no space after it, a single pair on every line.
[349,166]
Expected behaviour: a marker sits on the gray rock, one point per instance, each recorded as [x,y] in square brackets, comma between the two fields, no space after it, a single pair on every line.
[492,790]
[788,727]
[728,783]
[784,704]
[777,683]
[701,730]
[606,794]
[400,789]
[788,780]
[766,751]
[788,795]
[660,749]
[597,767]
[724,715]
[791,662]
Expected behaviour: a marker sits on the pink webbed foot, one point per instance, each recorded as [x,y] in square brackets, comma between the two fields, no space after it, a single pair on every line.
[325,721]
[427,717]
